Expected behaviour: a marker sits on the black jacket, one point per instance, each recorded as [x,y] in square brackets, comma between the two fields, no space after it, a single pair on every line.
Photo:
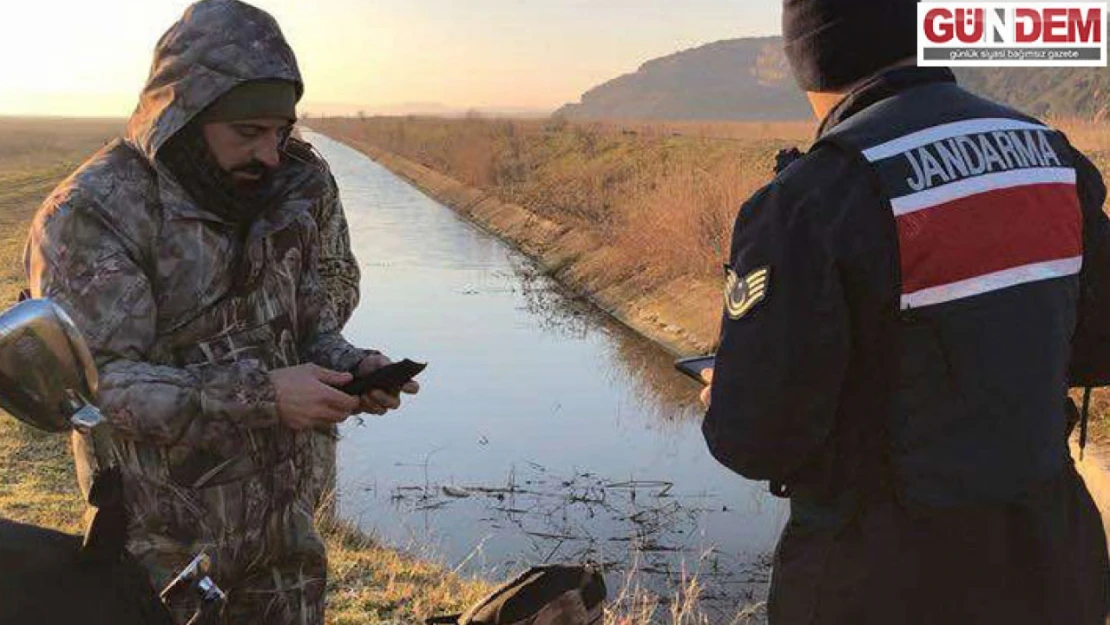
[906,307]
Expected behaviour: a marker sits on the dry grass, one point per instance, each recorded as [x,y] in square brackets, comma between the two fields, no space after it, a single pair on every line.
[37,484]
[1092,138]
[34,155]
[799,132]
[635,605]
[369,583]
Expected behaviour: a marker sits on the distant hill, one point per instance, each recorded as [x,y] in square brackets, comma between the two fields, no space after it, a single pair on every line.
[430,109]
[1044,91]
[749,79]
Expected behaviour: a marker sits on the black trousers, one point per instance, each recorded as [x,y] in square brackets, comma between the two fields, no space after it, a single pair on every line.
[1039,560]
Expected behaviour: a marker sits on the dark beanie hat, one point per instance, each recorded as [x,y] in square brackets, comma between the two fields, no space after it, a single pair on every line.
[832,44]
[254,99]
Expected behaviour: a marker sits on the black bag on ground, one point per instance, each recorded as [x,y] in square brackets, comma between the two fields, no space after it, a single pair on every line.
[545,595]
[43,581]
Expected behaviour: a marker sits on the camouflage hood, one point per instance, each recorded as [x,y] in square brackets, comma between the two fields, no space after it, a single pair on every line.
[216,45]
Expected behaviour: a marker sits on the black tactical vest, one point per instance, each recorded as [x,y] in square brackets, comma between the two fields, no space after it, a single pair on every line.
[989,231]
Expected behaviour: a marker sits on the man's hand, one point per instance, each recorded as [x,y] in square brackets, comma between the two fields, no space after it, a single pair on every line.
[707,375]
[307,397]
[380,402]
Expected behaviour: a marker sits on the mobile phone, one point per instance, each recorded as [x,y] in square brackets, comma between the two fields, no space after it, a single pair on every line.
[389,378]
[693,367]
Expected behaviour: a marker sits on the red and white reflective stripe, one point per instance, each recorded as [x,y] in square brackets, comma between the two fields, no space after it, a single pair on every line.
[989,241]
[946,131]
[981,184]
[993,282]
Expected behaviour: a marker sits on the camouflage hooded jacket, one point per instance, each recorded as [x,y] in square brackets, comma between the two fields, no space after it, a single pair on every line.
[182,346]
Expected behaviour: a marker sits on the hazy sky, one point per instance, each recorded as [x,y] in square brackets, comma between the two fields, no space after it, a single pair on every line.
[90,57]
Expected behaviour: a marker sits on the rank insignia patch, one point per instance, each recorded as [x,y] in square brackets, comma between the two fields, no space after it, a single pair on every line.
[743,294]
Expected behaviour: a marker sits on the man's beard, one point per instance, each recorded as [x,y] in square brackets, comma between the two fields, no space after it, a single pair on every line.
[213,188]
[238,202]
[248,192]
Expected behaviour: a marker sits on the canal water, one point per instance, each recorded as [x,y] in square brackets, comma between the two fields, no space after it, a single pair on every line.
[545,431]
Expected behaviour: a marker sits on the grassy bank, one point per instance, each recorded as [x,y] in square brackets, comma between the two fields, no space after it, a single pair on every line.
[367,583]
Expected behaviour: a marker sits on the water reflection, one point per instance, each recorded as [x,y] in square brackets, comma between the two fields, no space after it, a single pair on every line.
[545,431]
[664,396]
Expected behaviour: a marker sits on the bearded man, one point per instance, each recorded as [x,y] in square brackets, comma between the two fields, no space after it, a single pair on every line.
[189,254]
